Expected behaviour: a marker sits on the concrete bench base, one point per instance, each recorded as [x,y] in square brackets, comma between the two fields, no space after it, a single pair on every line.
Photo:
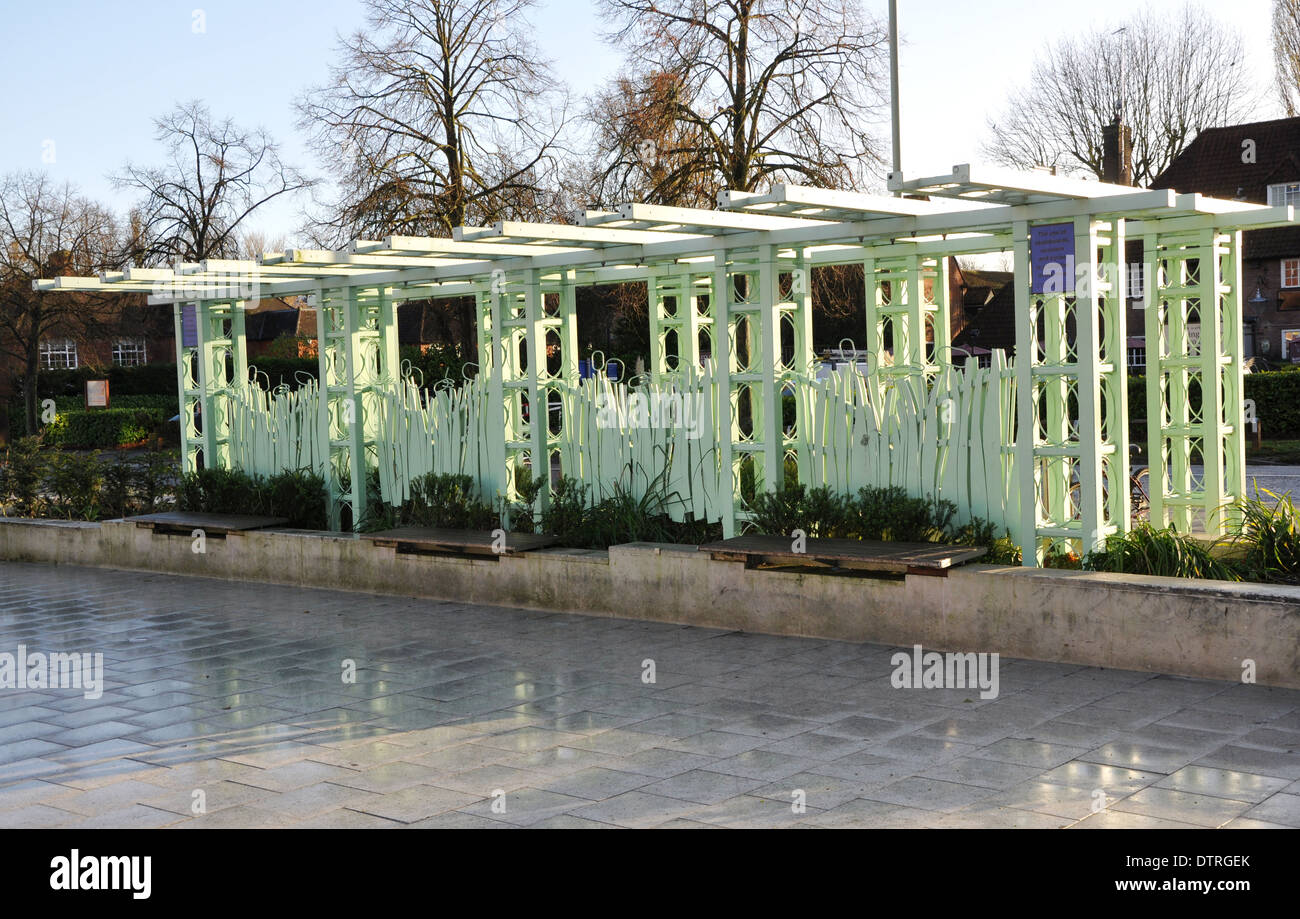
[1191,628]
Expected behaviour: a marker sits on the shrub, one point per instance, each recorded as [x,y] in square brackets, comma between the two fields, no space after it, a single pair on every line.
[447,502]
[1276,394]
[21,477]
[568,513]
[874,513]
[122,381]
[103,427]
[155,475]
[980,532]
[1270,540]
[73,481]
[297,495]
[890,513]
[1148,550]
[620,517]
[115,500]
[819,512]
[287,371]
[438,362]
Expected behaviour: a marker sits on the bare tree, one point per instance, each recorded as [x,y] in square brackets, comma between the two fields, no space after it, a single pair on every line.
[254,242]
[216,176]
[47,230]
[741,93]
[441,113]
[1168,77]
[1286,53]
[642,150]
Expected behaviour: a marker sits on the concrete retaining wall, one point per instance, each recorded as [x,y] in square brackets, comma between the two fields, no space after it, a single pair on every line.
[1167,625]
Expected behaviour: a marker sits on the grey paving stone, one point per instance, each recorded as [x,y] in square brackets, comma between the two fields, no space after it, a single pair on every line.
[983,816]
[637,809]
[525,806]
[820,791]
[716,743]
[216,796]
[763,764]
[415,802]
[703,786]
[1114,781]
[314,800]
[864,814]
[1281,808]
[987,773]
[36,815]
[869,768]
[929,794]
[344,819]
[134,816]
[1124,820]
[597,784]
[486,780]
[1171,804]
[1070,801]
[1223,783]
[1253,760]
[663,763]
[234,689]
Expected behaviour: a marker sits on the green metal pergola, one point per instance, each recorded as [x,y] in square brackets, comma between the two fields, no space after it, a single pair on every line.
[729,294]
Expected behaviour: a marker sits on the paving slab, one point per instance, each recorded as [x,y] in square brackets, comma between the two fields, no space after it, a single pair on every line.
[235,690]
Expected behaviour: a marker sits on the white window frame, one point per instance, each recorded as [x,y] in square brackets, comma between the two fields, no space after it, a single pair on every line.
[1136,277]
[1284,193]
[1133,352]
[65,349]
[133,348]
[1292,266]
[1285,355]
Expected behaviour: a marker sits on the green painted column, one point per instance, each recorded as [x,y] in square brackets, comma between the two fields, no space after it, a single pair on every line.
[187,386]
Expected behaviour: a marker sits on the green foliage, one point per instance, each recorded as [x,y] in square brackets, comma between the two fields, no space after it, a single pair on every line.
[1164,552]
[1276,394]
[21,477]
[439,362]
[874,513]
[567,515]
[159,379]
[292,372]
[298,495]
[620,517]
[36,482]
[446,502]
[73,482]
[101,427]
[819,512]
[980,532]
[1269,540]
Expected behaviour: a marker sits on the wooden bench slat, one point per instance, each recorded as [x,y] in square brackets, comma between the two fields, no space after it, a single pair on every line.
[866,555]
[209,523]
[469,542]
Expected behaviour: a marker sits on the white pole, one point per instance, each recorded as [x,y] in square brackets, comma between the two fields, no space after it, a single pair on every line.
[893,91]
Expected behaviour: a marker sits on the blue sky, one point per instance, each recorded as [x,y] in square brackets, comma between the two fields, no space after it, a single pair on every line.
[90,75]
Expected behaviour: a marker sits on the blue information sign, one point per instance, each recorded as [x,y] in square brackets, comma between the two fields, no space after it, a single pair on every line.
[189,326]
[1051,258]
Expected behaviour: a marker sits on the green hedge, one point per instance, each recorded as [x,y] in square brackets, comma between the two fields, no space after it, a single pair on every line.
[165,405]
[103,427]
[1276,394]
[122,381]
[290,371]
[297,495]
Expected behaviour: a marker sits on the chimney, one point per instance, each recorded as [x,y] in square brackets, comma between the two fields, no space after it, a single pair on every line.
[1117,153]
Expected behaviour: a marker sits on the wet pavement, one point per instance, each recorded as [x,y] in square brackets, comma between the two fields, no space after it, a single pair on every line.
[250,705]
